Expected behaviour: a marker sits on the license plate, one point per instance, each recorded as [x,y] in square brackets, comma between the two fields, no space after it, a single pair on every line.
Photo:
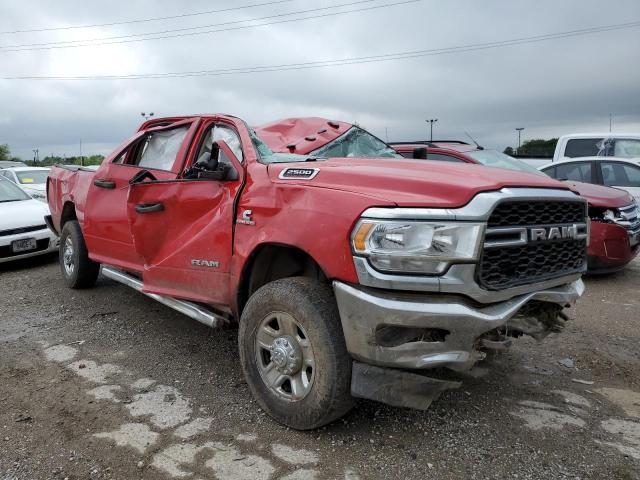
[24,245]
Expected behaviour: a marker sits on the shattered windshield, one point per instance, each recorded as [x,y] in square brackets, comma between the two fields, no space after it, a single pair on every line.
[493,158]
[261,147]
[619,147]
[356,143]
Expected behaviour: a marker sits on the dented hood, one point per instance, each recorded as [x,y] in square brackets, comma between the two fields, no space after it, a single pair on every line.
[601,196]
[406,182]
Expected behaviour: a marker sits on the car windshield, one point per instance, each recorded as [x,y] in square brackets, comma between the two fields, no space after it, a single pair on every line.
[30,177]
[493,158]
[259,145]
[9,192]
[356,143]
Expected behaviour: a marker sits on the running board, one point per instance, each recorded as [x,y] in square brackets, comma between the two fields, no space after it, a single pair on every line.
[192,310]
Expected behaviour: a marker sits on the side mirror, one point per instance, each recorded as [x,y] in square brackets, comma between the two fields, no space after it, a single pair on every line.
[220,164]
[228,160]
[420,153]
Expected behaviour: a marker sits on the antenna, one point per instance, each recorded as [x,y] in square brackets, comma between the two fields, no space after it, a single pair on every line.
[480,147]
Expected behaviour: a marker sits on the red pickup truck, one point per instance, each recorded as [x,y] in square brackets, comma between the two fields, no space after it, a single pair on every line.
[348,277]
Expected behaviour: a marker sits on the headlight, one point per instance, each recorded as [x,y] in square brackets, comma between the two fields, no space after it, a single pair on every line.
[416,247]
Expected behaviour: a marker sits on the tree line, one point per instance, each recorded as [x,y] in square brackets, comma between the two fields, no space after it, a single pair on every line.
[534,148]
[5,154]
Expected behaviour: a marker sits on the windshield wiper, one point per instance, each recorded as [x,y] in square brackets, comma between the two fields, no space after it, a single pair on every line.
[14,200]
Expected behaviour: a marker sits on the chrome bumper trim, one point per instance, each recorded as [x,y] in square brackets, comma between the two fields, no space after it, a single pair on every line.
[362,311]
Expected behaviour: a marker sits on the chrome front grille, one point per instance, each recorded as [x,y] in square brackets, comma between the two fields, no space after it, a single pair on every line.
[630,218]
[531,242]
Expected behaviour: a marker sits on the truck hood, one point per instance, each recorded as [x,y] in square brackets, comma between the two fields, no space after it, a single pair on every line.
[600,196]
[407,182]
[25,213]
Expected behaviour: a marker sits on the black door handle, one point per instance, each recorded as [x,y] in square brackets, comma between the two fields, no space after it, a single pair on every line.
[104,184]
[149,207]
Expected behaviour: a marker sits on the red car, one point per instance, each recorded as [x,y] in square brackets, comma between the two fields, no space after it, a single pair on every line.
[615,227]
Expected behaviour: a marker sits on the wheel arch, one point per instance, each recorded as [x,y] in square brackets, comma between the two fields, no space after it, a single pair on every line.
[272,261]
[68,213]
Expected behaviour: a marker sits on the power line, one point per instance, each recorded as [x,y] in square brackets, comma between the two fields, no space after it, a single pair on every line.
[161,34]
[346,61]
[144,20]
[185,29]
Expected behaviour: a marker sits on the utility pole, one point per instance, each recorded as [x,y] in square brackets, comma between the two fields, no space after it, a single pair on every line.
[81,157]
[431,121]
[519,130]
[610,122]
[36,157]
[145,116]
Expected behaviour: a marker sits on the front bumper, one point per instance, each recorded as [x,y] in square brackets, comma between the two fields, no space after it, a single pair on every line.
[46,242]
[611,247]
[460,322]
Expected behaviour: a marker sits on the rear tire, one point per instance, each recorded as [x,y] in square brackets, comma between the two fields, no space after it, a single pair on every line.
[294,355]
[78,270]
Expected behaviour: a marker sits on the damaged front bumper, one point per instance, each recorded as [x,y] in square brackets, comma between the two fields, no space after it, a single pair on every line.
[421,331]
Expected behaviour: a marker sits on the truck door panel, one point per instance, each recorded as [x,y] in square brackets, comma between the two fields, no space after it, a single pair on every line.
[183,230]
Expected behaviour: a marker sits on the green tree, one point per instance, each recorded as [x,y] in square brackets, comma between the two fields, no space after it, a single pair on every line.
[538,147]
[509,151]
[5,152]
[54,159]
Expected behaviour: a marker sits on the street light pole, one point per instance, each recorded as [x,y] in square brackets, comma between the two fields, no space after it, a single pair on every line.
[519,130]
[431,121]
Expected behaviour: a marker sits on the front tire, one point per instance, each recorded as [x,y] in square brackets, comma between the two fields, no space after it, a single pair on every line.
[294,355]
[78,270]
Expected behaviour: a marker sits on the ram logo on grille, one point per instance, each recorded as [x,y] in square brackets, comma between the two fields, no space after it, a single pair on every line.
[553,233]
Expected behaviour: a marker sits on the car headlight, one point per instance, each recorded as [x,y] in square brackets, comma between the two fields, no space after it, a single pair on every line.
[416,247]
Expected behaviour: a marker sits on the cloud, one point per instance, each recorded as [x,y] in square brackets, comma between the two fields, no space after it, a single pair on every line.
[551,88]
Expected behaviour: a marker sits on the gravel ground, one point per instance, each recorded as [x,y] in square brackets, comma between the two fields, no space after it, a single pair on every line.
[106,383]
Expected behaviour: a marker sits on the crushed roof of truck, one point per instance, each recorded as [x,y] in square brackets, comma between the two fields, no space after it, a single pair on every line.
[301,135]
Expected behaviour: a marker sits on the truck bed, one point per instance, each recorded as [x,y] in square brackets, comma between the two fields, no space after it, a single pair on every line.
[68,185]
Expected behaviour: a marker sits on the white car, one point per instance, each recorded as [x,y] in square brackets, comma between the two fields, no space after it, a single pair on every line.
[609,171]
[23,231]
[32,180]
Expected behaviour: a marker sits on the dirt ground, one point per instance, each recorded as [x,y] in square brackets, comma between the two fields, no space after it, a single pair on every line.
[106,383]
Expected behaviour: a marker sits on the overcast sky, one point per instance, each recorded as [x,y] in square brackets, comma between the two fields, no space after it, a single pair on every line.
[550,88]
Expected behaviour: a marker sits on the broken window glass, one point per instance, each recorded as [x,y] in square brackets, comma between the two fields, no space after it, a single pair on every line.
[356,143]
